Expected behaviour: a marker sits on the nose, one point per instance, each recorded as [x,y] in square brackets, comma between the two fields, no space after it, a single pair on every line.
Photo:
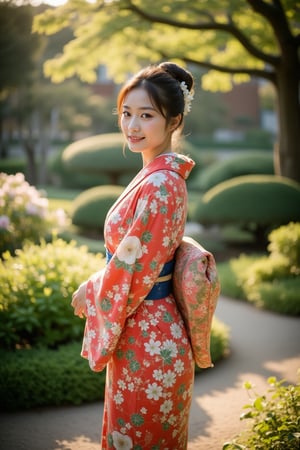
[133,123]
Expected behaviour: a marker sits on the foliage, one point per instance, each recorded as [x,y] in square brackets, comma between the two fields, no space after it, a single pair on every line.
[36,289]
[255,202]
[45,377]
[272,281]
[42,377]
[239,40]
[91,206]
[245,163]
[68,178]
[246,33]
[285,241]
[101,154]
[17,45]
[274,418]
[24,213]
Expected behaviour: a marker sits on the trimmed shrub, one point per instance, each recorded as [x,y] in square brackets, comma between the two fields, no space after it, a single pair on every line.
[256,202]
[32,378]
[24,213]
[67,178]
[102,154]
[271,282]
[36,292]
[242,164]
[91,206]
[274,419]
[42,377]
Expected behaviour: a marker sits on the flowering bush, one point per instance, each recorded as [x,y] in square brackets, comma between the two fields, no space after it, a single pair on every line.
[24,213]
[36,291]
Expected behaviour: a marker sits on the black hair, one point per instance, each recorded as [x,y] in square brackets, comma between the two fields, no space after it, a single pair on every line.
[162,83]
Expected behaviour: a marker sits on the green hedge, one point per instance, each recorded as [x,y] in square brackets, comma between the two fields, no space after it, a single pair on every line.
[102,154]
[43,377]
[257,203]
[66,178]
[247,163]
[271,282]
[91,206]
[11,166]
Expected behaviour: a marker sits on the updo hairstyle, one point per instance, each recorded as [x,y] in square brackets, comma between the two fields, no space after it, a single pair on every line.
[162,83]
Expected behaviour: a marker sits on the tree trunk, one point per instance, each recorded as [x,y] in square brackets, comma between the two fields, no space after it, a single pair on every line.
[287,149]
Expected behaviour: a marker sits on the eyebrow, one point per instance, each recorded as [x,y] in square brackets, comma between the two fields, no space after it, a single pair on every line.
[142,108]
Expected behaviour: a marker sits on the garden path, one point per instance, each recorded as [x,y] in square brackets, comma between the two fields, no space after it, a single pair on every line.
[263,344]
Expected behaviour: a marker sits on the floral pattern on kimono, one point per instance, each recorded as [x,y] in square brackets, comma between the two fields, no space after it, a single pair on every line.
[143,343]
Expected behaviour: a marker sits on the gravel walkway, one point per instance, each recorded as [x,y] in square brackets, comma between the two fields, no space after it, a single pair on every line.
[263,344]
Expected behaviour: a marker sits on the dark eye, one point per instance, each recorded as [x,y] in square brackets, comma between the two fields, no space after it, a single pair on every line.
[125,114]
[146,116]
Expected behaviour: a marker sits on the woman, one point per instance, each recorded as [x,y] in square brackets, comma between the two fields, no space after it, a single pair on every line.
[133,327]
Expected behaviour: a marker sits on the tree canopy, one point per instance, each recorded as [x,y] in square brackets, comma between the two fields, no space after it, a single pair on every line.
[232,40]
[18,46]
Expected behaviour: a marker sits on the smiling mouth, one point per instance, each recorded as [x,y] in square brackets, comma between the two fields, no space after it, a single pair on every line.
[135,139]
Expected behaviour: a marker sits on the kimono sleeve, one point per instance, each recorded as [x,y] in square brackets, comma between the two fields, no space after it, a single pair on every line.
[153,234]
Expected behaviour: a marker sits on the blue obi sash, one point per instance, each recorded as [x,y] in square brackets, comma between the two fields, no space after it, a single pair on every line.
[163,286]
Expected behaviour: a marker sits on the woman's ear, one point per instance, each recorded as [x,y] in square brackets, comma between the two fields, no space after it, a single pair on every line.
[175,122]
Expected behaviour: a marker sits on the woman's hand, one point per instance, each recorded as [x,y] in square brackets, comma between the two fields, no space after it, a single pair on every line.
[78,300]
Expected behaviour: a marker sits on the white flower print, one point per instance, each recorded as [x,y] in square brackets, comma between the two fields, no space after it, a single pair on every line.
[157,179]
[169,379]
[143,410]
[179,366]
[129,250]
[161,197]
[91,335]
[153,347]
[158,374]
[143,325]
[125,288]
[171,346]
[117,297]
[115,217]
[145,249]
[153,207]
[122,384]
[166,241]
[176,331]
[130,387]
[118,398]
[121,441]
[166,407]
[141,206]
[147,280]
[172,419]
[116,329]
[154,391]
[153,321]
[90,308]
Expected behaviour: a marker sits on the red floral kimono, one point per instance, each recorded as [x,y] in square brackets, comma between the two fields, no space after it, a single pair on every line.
[142,342]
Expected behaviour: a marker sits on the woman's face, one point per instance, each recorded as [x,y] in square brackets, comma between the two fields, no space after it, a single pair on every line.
[144,127]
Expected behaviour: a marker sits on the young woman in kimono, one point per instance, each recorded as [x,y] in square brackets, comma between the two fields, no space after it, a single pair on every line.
[133,327]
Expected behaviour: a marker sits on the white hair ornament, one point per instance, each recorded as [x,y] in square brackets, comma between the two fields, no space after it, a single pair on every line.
[188,97]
